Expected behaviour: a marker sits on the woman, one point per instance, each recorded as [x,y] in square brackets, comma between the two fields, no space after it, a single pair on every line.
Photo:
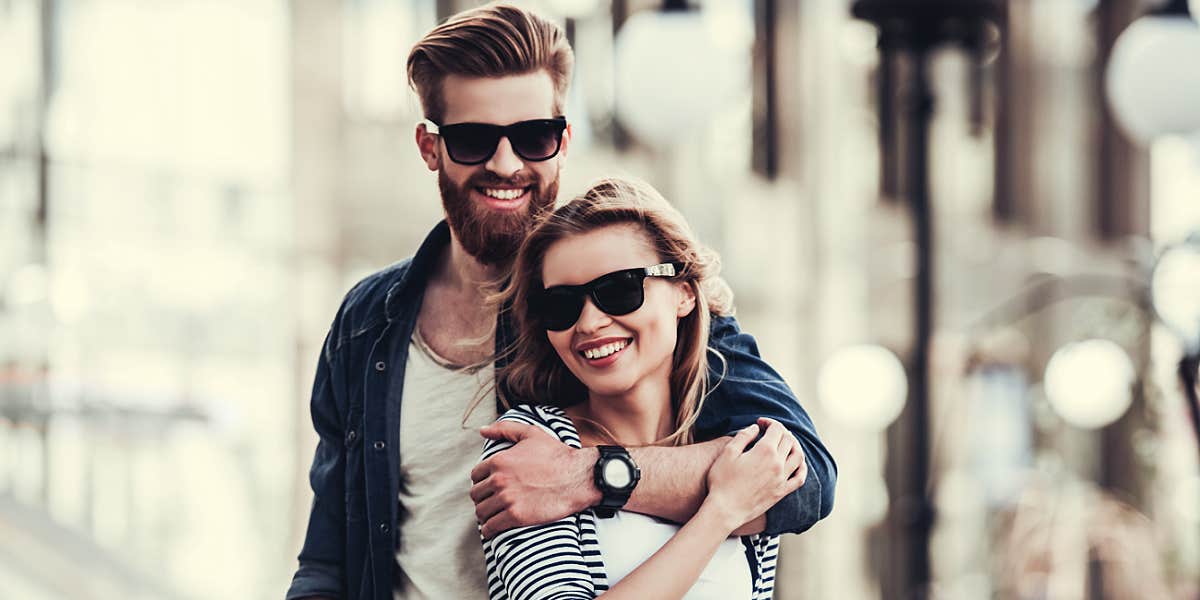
[612,296]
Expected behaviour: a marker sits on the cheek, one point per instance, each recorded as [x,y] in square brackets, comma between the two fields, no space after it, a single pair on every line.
[659,331]
[561,342]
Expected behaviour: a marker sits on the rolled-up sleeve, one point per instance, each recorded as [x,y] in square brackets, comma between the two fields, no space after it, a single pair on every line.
[744,388]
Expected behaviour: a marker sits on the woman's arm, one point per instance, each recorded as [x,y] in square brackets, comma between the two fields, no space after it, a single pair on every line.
[742,485]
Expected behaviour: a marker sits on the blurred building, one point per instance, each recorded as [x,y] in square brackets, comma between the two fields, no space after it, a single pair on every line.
[188,188]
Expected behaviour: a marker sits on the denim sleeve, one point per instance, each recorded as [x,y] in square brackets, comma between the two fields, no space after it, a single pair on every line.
[744,388]
[322,558]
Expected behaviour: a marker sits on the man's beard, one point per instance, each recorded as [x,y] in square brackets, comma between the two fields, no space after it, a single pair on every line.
[493,236]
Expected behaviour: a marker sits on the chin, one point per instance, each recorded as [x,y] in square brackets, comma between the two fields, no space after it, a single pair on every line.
[605,387]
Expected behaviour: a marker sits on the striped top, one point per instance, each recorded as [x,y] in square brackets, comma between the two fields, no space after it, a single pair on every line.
[562,560]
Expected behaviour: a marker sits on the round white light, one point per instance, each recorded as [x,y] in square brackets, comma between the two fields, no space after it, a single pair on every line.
[673,74]
[1176,291]
[863,387]
[1152,79]
[1089,383]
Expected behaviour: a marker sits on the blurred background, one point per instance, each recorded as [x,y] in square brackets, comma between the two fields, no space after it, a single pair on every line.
[966,231]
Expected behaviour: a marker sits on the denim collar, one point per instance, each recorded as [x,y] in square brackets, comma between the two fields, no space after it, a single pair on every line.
[413,279]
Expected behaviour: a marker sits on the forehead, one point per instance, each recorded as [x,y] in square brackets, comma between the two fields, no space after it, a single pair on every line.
[498,100]
[581,258]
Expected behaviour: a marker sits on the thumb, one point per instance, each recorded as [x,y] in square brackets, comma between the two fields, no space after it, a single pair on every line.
[505,430]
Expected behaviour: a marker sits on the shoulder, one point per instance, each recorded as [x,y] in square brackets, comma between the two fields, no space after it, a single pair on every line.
[550,418]
[365,306]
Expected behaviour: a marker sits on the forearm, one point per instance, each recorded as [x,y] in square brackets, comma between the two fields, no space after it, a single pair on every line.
[673,482]
[675,567]
[673,485]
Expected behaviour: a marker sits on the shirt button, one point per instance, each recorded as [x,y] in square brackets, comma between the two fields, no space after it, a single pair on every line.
[383,527]
[381,366]
[380,445]
[351,436]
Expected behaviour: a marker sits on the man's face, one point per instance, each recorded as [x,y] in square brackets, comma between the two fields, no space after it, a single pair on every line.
[490,206]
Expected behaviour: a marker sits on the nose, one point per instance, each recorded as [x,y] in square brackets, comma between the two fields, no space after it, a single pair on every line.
[591,319]
[504,162]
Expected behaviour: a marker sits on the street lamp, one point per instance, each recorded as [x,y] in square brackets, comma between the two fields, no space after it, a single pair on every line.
[918,27]
[677,67]
[1152,81]
[1175,293]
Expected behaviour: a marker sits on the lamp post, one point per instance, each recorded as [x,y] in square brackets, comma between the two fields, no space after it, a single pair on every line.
[1175,293]
[917,28]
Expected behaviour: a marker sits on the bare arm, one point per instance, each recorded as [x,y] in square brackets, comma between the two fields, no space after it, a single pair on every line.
[741,483]
[539,480]
[744,484]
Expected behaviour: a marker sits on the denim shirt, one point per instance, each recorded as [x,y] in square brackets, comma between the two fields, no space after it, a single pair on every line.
[349,547]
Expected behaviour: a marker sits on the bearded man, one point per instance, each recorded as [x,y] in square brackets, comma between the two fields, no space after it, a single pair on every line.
[394,513]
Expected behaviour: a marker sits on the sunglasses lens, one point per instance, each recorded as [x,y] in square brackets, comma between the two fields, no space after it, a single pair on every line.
[558,309]
[536,140]
[619,294]
[471,143]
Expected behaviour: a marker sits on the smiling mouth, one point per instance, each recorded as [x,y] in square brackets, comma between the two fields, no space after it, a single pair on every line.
[604,351]
[503,194]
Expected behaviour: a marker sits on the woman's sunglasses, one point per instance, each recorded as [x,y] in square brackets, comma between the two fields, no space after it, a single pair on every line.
[617,293]
[474,143]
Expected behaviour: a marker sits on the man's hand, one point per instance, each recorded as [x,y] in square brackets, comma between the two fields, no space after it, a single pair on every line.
[538,480]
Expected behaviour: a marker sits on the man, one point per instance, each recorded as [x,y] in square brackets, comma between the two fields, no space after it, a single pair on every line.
[392,509]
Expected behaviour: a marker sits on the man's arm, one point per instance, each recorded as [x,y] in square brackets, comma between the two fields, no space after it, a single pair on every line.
[322,558]
[750,389]
[540,479]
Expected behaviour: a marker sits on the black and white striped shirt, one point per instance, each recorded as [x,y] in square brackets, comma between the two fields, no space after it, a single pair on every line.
[562,560]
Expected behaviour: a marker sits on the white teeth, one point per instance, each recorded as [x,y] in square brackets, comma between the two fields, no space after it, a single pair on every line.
[503,194]
[605,350]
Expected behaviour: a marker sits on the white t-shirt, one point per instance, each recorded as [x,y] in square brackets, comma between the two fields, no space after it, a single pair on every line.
[440,556]
[628,539]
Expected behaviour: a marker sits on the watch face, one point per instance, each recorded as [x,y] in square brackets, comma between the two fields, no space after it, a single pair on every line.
[617,474]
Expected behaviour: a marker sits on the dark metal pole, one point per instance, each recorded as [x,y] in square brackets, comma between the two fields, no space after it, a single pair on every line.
[765,150]
[921,109]
[1189,365]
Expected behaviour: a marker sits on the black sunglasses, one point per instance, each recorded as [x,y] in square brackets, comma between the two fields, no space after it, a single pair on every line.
[474,143]
[617,293]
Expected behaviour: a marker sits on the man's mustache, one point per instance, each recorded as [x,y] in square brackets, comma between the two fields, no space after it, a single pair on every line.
[491,180]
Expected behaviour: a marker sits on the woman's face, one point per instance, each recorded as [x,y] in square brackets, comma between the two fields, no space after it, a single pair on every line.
[613,355]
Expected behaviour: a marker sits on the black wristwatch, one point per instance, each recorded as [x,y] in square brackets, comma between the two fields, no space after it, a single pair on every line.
[616,475]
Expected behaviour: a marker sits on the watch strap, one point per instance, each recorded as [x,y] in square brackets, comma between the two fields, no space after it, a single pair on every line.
[613,499]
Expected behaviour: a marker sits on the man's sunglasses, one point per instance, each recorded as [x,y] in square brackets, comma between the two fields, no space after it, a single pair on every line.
[617,293]
[474,143]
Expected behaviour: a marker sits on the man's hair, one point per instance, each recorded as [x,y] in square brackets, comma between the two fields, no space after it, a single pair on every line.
[494,40]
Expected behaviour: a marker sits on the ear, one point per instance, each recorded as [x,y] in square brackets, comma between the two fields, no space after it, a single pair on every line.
[566,141]
[687,299]
[427,145]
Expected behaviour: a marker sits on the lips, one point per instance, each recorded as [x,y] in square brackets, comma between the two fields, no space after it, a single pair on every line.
[504,198]
[602,352]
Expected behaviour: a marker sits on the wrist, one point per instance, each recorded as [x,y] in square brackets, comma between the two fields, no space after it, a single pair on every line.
[586,493]
[718,516]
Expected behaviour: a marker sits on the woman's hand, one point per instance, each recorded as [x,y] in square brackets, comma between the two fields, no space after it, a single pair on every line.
[744,484]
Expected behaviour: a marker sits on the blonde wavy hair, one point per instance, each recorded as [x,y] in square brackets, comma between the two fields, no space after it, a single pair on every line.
[535,372]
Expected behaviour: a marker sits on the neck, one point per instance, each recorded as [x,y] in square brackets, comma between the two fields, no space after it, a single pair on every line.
[464,274]
[638,417]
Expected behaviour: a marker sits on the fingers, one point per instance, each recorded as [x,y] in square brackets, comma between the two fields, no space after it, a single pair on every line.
[770,439]
[795,462]
[500,522]
[741,439]
[483,489]
[506,430]
[787,443]
[489,508]
[482,470]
